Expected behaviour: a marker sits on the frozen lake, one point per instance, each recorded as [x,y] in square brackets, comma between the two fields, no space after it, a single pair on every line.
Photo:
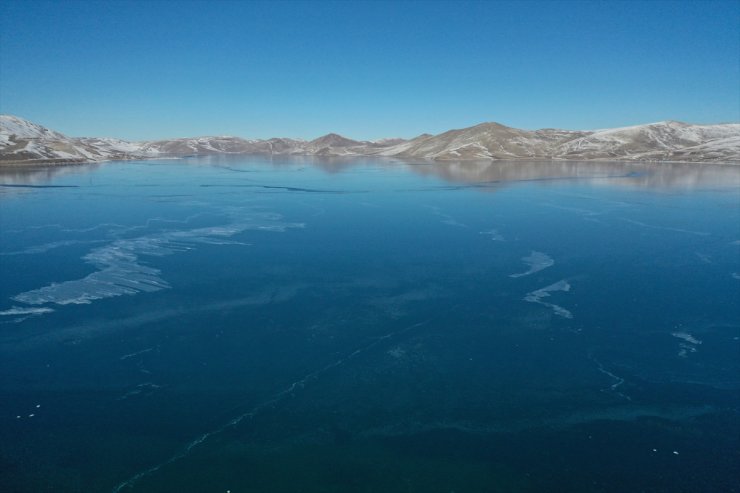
[240,324]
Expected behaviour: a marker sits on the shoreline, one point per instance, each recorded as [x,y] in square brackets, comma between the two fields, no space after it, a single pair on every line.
[37,164]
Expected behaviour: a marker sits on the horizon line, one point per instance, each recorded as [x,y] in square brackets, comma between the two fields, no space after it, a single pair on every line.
[304,139]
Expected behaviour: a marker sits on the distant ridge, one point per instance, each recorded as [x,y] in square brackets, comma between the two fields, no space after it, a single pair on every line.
[26,143]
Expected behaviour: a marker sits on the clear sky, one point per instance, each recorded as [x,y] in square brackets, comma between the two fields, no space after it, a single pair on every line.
[155,69]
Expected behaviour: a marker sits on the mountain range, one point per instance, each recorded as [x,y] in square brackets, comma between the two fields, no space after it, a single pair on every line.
[26,143]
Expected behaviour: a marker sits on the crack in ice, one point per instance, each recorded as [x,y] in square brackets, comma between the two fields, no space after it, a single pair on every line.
[275,399]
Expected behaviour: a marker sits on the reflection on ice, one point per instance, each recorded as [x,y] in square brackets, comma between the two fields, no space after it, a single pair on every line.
[491,175]
[536,261]
[536,297]
[120,271]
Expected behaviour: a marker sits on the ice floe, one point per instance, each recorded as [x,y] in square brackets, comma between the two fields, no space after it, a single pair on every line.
[537,296]
[536,261]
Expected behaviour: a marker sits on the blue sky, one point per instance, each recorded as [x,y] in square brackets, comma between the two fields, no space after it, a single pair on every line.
[155,69]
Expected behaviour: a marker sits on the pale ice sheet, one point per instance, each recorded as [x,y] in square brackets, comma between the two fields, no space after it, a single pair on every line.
[536,261]
[22,310]
[91,329]
[538,295]
[689,344]
[45,247]
[493,234]
[703,257]
[121,271]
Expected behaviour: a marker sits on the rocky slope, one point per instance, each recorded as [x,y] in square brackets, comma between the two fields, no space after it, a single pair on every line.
[24,142]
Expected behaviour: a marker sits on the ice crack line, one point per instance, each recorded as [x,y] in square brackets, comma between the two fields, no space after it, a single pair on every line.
[618,381]
[276,398]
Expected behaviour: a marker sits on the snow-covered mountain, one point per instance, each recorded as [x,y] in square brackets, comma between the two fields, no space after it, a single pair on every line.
[24,142]
[484,141]
[663,141]
[23,129]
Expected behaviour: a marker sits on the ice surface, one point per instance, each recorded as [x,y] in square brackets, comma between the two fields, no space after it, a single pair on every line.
[267,404]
